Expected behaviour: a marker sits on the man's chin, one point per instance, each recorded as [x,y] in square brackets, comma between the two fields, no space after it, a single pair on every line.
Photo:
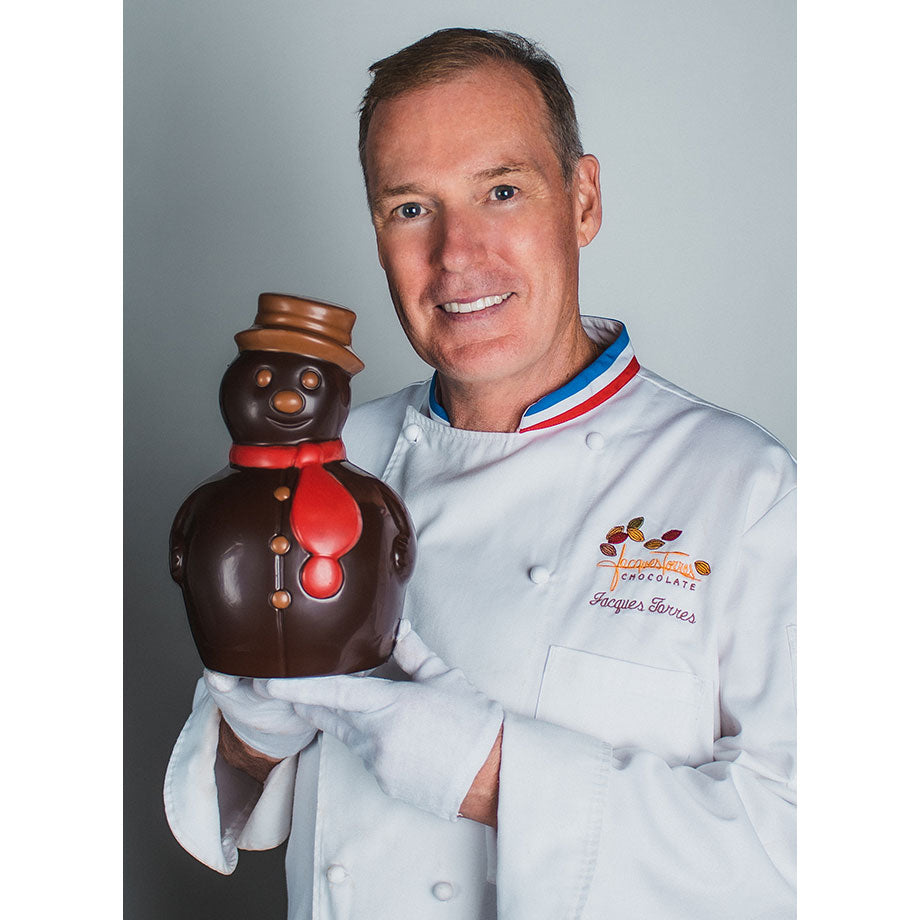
[481,364]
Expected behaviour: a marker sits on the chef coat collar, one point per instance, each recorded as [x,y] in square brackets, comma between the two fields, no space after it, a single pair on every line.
[614,367]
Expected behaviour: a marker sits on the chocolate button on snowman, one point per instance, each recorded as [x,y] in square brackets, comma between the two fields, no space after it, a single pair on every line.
[292,561]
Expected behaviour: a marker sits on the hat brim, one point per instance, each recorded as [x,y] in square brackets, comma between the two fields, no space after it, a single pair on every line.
[299,343]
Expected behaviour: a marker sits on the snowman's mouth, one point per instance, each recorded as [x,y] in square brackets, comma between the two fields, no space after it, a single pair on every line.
[290,423]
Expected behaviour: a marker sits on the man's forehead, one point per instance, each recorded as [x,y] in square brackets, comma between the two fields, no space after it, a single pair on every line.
[487,122]
[468,93]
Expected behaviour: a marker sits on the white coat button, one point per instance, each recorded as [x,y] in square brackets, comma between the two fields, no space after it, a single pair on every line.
[539,574]
[595,441]
[336,874]
[443,891]
[412,433]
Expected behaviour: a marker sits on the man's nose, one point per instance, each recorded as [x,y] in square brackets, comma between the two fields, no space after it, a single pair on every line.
[460,240]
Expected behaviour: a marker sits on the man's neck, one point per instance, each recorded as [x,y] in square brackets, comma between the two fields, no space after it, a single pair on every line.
[499,405]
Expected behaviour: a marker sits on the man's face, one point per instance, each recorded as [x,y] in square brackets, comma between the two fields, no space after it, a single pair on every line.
[476,230]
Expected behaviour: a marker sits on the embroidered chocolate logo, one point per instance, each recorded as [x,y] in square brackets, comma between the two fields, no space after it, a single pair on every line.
[661,561]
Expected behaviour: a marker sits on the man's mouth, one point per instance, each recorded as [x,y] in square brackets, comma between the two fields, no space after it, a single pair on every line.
[474,306]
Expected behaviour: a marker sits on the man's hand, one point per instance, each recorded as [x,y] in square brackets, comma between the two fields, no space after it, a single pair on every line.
[270,726]
[426,741]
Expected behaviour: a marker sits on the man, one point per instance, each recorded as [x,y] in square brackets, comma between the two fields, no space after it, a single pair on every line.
[605,570]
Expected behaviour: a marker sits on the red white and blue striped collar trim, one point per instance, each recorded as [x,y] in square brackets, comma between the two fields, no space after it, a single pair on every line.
[599,381]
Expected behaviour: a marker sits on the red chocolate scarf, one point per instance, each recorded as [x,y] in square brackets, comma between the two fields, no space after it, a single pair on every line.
[325,519]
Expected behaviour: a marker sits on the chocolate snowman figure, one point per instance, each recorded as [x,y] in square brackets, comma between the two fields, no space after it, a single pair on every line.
[292,561]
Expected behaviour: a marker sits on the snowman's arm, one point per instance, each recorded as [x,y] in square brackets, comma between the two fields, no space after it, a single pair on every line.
[183,524]
[404,544]
[177,540]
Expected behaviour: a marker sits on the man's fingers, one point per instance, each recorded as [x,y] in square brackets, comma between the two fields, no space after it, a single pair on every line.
[326,720]
[416,659]
[342,692]
[258,688]
[222,683]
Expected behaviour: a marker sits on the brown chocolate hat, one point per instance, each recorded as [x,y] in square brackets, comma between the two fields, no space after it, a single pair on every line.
[303,327]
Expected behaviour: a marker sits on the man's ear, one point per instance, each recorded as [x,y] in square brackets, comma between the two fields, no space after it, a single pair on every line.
[587,184]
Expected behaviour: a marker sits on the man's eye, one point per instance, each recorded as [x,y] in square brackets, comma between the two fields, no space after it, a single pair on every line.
[504,192]
[409,210]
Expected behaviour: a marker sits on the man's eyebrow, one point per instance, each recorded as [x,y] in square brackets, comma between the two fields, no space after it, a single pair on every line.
[391,192]
[496,172]
[483,175]
[398,191]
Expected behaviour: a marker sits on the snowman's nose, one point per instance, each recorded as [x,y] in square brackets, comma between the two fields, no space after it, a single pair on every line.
[289,401]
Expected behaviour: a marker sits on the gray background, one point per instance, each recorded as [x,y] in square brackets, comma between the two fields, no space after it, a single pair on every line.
[241,176]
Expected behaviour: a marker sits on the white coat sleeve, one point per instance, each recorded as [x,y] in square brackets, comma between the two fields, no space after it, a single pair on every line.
[214,810]
[589,831]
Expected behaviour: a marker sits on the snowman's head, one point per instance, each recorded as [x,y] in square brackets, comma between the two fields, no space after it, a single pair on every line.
[276,397]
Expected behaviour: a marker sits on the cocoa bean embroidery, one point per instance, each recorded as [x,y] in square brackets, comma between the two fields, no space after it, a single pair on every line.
[632,531]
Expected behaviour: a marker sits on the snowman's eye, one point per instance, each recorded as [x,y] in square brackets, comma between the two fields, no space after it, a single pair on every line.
[264,377]
[310,380]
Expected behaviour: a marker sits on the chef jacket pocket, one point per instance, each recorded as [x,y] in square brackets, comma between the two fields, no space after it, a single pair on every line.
[629,705]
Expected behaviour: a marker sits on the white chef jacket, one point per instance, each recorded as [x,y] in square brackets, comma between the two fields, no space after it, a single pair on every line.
[648,756]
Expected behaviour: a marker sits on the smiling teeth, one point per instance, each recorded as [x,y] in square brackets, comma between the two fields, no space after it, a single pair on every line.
[476,305]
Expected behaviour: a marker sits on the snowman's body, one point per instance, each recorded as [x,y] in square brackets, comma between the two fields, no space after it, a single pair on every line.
[228,534]
[291,570]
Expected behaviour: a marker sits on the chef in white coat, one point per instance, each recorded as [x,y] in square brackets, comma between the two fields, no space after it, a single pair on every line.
[592,712]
